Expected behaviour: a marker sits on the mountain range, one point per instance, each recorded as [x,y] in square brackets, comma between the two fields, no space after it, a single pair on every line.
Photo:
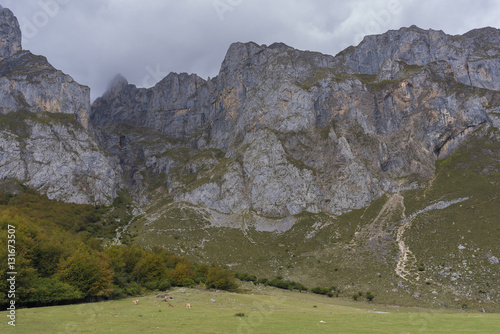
[377,168]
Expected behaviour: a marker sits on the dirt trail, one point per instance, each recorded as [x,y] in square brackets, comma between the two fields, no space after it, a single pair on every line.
[406,257]
[397,200]
[404,252]
[391,206]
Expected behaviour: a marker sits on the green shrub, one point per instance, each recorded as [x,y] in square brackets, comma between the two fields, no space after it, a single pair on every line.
[133,289]
[219,278]
[263,281]
[164,284]
[246,277]
[369,296]
[320,291]
[286,284]
[188,283]
[151,285]
[117,292]
[52,291]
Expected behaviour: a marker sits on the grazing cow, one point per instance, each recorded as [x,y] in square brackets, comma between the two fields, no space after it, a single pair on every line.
[168,297]
[188,305]
[135,301]
[212,300]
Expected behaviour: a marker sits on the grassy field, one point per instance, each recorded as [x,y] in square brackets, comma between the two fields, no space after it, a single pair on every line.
[266,310]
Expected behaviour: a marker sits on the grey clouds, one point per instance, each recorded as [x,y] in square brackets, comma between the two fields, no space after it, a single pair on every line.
[93,40]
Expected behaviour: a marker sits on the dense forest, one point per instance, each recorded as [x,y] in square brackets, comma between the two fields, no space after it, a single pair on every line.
[60,256]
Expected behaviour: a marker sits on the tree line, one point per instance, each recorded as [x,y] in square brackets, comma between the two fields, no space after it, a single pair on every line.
[59,260]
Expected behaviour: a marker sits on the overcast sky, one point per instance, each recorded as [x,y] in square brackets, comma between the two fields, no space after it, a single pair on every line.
[144,40]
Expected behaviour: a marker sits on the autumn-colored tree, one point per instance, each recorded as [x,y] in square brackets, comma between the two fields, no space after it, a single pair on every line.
[89,271]
[51,246]
[59,259]
[131,255]
[219,278]
[24,239]
[115,254]
[150,268]
[172,260]
[183,271]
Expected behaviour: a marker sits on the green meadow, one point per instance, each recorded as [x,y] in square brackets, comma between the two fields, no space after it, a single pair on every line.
[259,310]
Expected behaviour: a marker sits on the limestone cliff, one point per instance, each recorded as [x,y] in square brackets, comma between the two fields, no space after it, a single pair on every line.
[44,141]
[10,34]
[280,131]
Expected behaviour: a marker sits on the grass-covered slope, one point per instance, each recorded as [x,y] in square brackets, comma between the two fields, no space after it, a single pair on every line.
[435,245]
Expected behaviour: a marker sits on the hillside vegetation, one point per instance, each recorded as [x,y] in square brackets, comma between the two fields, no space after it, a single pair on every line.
[435,245]
[59,259]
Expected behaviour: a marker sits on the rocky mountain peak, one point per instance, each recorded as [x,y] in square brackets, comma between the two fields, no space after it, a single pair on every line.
[31,83]
[280,47]
[239,54]
[473,56]
[10,34]
[299,130]
[486,34]
[44,114]
[115,86]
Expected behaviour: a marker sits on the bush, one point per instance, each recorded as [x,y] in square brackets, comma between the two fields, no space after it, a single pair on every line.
[188,283]
[355,296]
[278,283]
[218,278]
[369,296]
[151,285]
[320,291]
[286,284]
[52,291]
[164,284]
[117,292]
[246,277]
[263,281]
[296,286]
[133,289]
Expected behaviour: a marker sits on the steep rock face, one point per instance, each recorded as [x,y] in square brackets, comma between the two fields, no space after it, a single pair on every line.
[175,106]
[44,113]
[30,82]
[10,34]
[301,131]
[54,155]
[473,57]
